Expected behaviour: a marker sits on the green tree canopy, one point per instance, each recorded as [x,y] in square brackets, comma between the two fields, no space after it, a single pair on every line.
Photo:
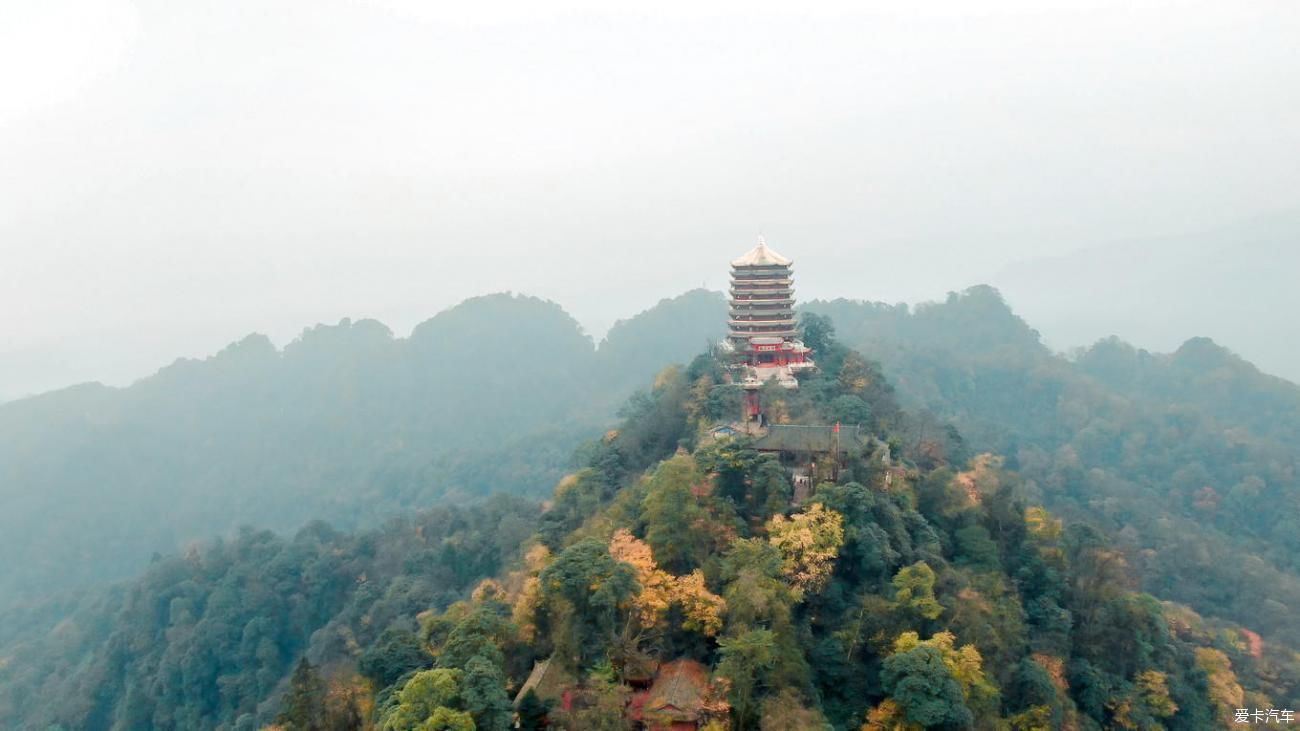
[920,682]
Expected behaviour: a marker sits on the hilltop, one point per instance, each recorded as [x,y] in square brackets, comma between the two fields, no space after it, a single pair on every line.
[671,578]
[1164,462]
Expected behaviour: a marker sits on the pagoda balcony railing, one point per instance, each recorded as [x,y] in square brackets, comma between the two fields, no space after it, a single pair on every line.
[761,283]
[765,302]
[786,303]
[771,295]
[741,344]
[762,315]
[742,339]
[760,276]
[743,331]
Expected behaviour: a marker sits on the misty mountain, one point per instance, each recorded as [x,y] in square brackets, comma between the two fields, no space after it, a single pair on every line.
[667,548]
[1188,459]
[1159,292]
[347,424]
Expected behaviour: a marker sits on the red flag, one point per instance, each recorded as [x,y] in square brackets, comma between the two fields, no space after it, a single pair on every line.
[837,427]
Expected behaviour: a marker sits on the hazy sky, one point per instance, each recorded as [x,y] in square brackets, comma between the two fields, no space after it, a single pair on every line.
[175,174]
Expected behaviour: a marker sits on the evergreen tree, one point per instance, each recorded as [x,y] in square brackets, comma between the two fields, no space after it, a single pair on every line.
[671,511]
[396,653]
[746,659]
[304,703]
[920,682]
[483,691]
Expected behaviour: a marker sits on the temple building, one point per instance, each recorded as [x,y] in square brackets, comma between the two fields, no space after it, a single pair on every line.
[762,338]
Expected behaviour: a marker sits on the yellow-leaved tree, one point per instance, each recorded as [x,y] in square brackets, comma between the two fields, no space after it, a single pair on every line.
[660,589]
[703,608]
[1225,692]
[809,543]
[964,663]
[651,602]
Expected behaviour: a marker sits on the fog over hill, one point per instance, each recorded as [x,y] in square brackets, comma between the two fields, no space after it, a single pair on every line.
[346,423]
[350,424]
[179,175]
[1235,284]
[1044,473]
[1171,474]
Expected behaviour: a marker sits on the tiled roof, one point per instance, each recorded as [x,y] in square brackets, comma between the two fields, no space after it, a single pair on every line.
[546,680]
[678,693]
[761,256]
[799,438]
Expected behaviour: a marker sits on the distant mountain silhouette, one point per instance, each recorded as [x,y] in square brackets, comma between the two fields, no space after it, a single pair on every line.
[350,424]
[1235,284]
[347,424]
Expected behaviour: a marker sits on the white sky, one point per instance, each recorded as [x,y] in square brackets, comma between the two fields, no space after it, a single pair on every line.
[175,174]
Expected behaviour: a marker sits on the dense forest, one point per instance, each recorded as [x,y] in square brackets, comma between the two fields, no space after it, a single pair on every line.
[670,578]
[1102,539]
[1186,461]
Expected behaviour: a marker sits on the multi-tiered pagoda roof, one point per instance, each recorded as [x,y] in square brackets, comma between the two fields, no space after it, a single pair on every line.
[762,297]
[762,332]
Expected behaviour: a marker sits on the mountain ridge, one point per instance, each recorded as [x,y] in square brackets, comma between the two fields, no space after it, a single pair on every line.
[917,589]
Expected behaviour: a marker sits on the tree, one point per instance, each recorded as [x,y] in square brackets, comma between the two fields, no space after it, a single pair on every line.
[914,590]
[659,589]
[772,491]
[975,547]
[591,587]
[964,664]
[855,374]
[808,542]
[702,609]
[1038,718]
[746,658]
[1226,693]
[446,719]
[428,697]
[818,331]
[755,595]
[480,633]
[732,463]
[925,689]
[850,409]
[672,512]
[483,690]
[889,716]
[304,703]
[724,402]
[396,653]
[1154,688]
[656,586]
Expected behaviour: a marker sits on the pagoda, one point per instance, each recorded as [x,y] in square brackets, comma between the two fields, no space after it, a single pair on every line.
[762,338]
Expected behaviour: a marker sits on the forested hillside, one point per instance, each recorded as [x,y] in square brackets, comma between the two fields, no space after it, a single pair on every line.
[1173,475]
[671,578]
[347,424]
[1187,461]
